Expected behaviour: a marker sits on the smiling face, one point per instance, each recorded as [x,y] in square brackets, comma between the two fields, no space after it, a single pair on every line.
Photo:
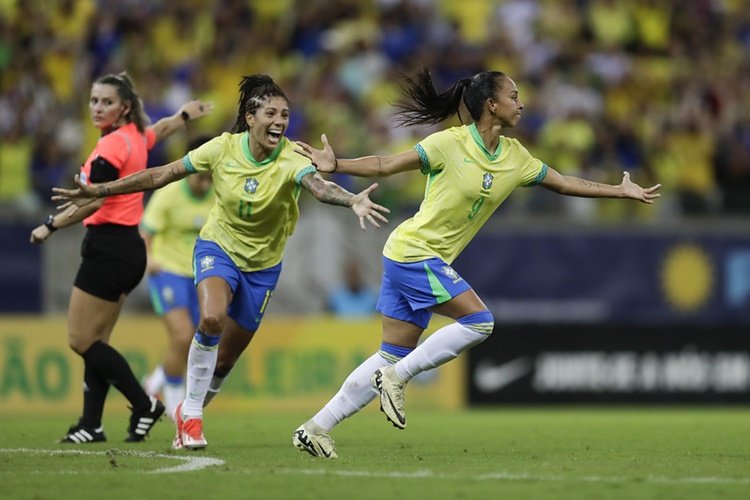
[506,106]
[267,126]
[107,110]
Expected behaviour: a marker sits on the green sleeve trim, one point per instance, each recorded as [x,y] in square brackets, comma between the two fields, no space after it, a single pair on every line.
[540,176]
[423,158]
[307,170]
[147,228]
[188,165]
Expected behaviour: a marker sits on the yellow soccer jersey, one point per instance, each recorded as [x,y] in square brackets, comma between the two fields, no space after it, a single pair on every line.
[175,216]
[465,185]
[256,202]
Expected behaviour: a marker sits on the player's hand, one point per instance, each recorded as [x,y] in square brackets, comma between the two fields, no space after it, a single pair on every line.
[632,190]
[324,160]
[81,196]
[366,209]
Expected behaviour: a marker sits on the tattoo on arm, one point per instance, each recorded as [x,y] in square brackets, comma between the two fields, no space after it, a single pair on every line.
[589,185]
[152,178]
[380,168]
[327,192]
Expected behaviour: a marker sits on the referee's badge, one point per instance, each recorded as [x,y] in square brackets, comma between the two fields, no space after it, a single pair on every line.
[251,186]
[487,180]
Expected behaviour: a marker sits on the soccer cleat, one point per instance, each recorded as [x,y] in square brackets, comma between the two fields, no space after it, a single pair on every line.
[310,437]
[178,423]
[79,434]
[192,434]
[391,389]
[142,422]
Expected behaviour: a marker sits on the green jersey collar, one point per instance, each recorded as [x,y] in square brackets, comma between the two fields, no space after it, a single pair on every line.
[480,143]
[249,155]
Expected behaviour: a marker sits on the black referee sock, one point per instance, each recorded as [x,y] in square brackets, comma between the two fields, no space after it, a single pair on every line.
[95,391]
[113,368]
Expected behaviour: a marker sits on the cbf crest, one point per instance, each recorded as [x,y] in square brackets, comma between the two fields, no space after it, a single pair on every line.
[251,186]
[448,271]
[207,263]
[487,179]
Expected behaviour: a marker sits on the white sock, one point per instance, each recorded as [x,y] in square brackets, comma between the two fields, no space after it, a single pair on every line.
[213,389]
[155,381]
[356,392]
[173,396]
[201,364]
[440,347]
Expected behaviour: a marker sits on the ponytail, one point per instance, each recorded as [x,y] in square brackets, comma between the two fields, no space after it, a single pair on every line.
[426,105]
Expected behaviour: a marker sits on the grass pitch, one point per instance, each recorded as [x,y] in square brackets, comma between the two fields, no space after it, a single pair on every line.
[507,453]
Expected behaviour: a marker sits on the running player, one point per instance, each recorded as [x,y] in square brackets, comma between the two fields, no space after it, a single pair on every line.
[471,170]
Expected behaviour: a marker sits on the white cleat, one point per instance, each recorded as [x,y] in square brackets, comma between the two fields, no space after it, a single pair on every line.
[391,389]
[310,437]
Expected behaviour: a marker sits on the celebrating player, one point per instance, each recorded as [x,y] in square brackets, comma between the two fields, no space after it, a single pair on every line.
[470,171]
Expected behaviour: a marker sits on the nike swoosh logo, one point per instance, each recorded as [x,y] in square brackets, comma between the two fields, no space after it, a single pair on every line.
[231,165]
[491,378]
[398,415]
[467,160]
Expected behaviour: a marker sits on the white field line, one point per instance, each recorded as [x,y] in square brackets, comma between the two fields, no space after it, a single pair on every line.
[197,463]
[191,463]
[508,476]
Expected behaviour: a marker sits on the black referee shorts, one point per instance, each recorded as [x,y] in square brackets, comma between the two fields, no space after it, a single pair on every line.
[114,261]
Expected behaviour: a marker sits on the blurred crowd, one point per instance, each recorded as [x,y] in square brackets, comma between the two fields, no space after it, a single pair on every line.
[660,88]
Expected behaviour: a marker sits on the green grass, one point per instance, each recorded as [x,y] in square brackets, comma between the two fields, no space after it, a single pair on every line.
[506,453]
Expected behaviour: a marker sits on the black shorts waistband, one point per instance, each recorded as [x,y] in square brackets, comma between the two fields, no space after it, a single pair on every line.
[112,229]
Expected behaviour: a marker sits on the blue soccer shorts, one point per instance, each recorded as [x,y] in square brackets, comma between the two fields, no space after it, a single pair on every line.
[171,291]
[251,290]
[408,289]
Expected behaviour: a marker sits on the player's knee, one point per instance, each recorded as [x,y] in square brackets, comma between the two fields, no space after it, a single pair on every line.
[481,322]
[212,324]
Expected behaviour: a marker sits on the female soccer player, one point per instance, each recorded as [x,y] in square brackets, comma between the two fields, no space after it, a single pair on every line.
[237,259]
[471,170]
[114,256]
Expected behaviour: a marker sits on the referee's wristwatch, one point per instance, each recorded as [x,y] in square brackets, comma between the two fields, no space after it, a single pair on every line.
[48,223]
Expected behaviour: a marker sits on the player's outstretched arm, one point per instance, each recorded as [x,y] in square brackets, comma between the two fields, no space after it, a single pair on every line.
[333,194]
[575,186]
[152,178]
[325,161]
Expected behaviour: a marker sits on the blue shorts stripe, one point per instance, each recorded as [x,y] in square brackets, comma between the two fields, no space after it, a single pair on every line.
[408,289]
